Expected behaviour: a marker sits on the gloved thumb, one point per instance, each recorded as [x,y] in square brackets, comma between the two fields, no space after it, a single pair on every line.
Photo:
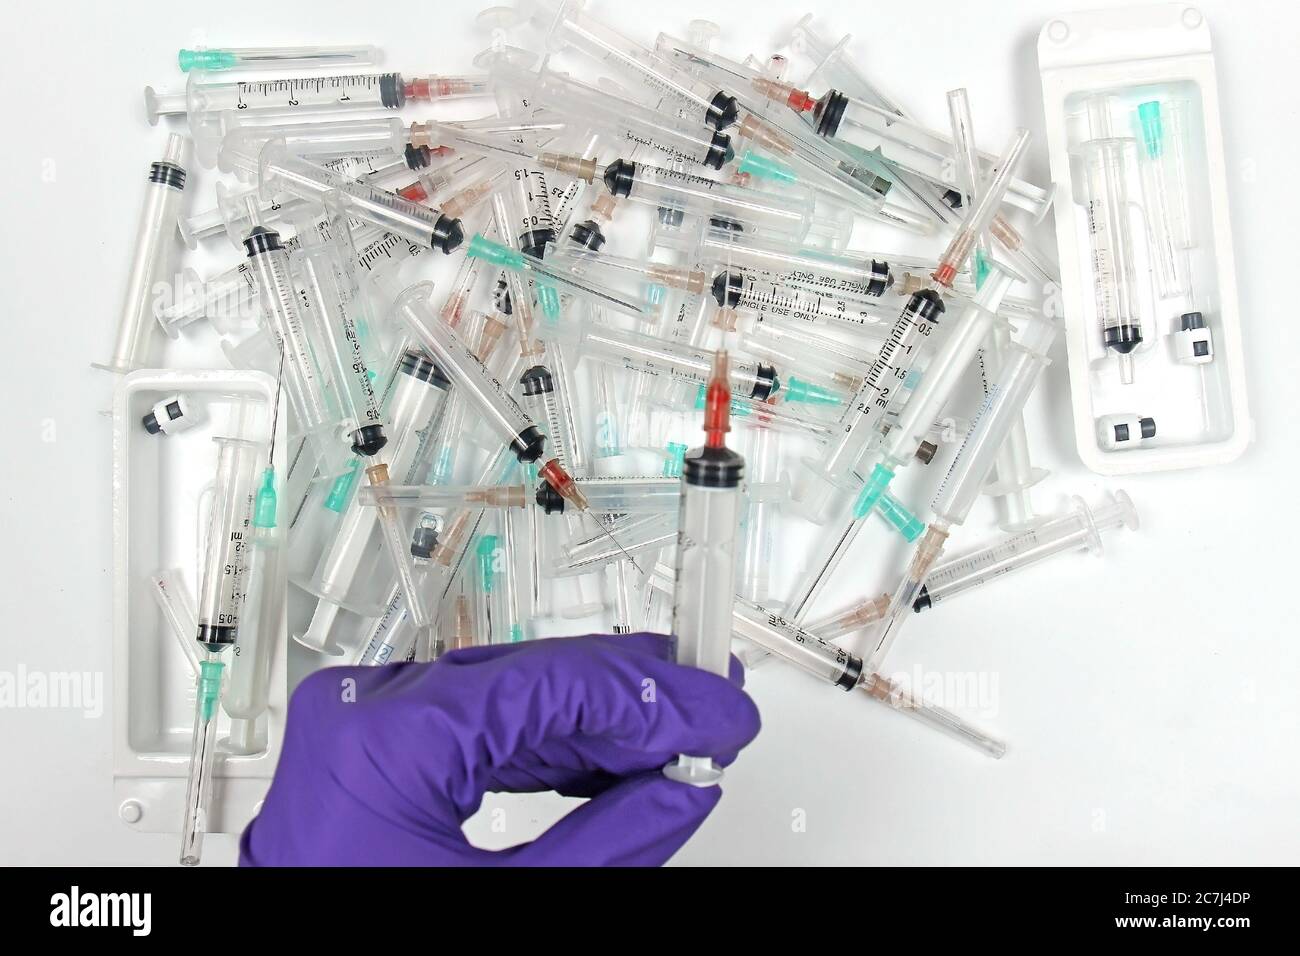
[641,821]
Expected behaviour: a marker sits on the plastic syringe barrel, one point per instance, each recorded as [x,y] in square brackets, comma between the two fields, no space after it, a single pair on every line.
[277,170]
[221,594]
[945,369]
[1016,379]
[1079,528]
[508,421]
[155,246]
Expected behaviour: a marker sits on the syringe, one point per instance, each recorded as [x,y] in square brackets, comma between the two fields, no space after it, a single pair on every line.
[151,262]
[221,599]
[248,692]
[788,212]
[331,296]
[965,479]
[864,413]
[277,171]
[419,392]
[579,285]
[807,650]
[1111,240]
[651,355]
[942,375]
[567,25]
[232,293]
[712,502]
[371,168]
[204,98]
[305,382]
[1013,475]
[969,177]
[321,141]
[228,58]
[1079,529]
[909,146]
[619,118]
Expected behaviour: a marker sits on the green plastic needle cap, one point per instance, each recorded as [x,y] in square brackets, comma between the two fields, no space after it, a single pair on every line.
[487,554]
[495,253]
[264,507]
[209,687]
[1153,130]
[765,168]
[337,498]
[676,459]
[893,510]
[872,490]
[205,60]
[797,390]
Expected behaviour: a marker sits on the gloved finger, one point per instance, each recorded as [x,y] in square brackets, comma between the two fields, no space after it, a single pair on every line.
[642,821]
[588,703]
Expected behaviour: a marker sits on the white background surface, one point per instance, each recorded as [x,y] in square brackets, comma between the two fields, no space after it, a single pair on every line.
[1149,698]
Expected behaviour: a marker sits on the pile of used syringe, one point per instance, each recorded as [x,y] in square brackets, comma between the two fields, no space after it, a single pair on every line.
[637,251]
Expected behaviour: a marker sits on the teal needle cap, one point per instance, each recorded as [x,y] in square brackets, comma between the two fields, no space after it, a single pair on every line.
[206,60]
[982,268]
[486,554]
[765,168]
[1153,129]
[341,490]
[894,511]
[797,390]
[209,687]
[265,504]
[872,490]
[676,459]
[495,253]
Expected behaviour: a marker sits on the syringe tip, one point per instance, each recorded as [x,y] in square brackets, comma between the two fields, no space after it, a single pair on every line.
[717,402]
[553,474]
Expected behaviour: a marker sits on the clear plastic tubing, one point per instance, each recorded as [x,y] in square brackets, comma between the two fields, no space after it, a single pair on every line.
[786,213]
[278,171]
[151,261]
[219,59]
[306,94]
[1109,236]
[712,502]
[1079,529]
[500,412]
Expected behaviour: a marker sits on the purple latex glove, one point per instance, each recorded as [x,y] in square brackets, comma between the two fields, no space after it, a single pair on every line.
[382,765]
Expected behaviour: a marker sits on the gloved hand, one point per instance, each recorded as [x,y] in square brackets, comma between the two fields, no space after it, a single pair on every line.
[382,765]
